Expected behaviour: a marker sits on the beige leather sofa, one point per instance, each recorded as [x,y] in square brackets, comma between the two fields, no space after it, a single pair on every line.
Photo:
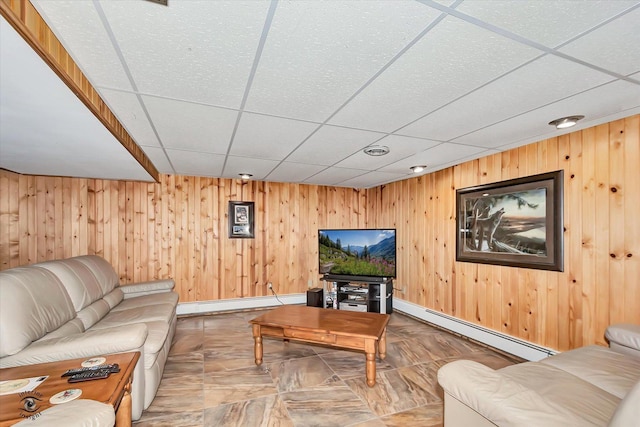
[589,386]
[75,308]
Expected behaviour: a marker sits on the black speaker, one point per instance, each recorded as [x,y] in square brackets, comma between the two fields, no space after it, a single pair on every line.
[315,297]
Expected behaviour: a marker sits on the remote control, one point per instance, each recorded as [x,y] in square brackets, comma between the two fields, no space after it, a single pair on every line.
[90,375]
[113,368]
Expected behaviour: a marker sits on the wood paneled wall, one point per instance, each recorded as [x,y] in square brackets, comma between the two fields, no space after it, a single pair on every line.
[600,284]
[178,228]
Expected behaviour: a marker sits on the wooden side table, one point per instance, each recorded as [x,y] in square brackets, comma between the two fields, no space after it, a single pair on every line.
[114,390]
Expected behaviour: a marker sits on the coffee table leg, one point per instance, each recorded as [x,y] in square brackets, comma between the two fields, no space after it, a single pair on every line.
[382,345]
[370,353]
[257,349]
[123,414]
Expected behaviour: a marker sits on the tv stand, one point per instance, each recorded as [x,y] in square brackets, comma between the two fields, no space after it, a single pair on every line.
[357,293]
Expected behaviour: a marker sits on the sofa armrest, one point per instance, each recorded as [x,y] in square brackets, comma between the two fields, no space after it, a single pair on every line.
[624,337]
[499,399]
[119,339]
[147,288]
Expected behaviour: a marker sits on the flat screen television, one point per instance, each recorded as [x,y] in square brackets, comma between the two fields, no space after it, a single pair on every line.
[358,253]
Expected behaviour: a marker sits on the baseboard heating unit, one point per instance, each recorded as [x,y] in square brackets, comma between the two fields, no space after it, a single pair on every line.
[504,342]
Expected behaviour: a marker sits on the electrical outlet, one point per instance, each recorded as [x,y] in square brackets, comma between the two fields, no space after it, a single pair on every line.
[310,284]
[270,286]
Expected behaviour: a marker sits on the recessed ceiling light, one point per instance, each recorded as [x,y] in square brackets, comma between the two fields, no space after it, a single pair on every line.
[245,175]
[565,122]
[376,150]
[418,169]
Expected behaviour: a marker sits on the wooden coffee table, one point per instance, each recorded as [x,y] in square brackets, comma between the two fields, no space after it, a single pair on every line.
[335,328]
[114,390]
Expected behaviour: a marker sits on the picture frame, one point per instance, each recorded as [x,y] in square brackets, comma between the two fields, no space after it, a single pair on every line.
[241,220]
[518,222]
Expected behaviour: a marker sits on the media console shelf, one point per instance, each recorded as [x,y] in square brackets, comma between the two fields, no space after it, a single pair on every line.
[356,293]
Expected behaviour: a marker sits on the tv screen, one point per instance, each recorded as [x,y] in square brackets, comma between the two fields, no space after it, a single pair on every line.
[358,252]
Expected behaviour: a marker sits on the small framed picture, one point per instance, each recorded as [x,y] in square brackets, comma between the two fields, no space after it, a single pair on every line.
[241,220]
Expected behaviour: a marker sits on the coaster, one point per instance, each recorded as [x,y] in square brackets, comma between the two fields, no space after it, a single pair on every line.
[65,396]
[94,361]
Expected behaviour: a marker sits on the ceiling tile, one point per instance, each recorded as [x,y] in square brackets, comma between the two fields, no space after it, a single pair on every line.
[201,127]
[509,96]
[554,23]
[373,179]
[334,176]
[159,159]
[622,58]
[400,147]
[433,157]
[269,137]
[331,143]
[318,54]
[193,163]
[79,28]
[259,168]
[211,44]
[131,115]
[617,98]
[433,72]
[293,172]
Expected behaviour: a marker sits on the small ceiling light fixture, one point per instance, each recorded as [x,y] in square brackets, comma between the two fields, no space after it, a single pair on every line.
[245,175]
[418,169]
[376,150]
[565,122]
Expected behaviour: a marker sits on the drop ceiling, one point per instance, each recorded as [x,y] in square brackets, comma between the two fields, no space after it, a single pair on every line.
[293,91]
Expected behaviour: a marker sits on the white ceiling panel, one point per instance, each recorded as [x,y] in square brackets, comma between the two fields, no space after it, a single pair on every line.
[78,27]
[293,172]
[400,147]
[510,96]
[202,127]
[131,115]
[618,99]
[259,168]
[623,58]
[159,159]
[433,72]
[212,45]
[29,122]
[319,53]
[269,137]
[331,143]
[434,157]
[196,164]
[556,22]
[373,179]
[334,176]
[292,91]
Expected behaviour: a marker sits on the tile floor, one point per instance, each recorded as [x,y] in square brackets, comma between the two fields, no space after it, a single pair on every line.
[211,379]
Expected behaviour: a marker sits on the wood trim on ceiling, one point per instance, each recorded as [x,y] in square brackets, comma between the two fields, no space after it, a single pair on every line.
[26,20]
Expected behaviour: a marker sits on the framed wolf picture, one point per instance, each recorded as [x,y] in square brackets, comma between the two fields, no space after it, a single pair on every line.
[515,223]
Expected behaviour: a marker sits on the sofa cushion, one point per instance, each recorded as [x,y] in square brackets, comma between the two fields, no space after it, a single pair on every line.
[103,271]
[81,284]
[613,372]
[576,395]
[170,298]
[152,313]
[33,302]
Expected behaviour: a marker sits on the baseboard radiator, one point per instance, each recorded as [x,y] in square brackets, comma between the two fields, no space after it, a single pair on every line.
[498,340]
[495,339]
